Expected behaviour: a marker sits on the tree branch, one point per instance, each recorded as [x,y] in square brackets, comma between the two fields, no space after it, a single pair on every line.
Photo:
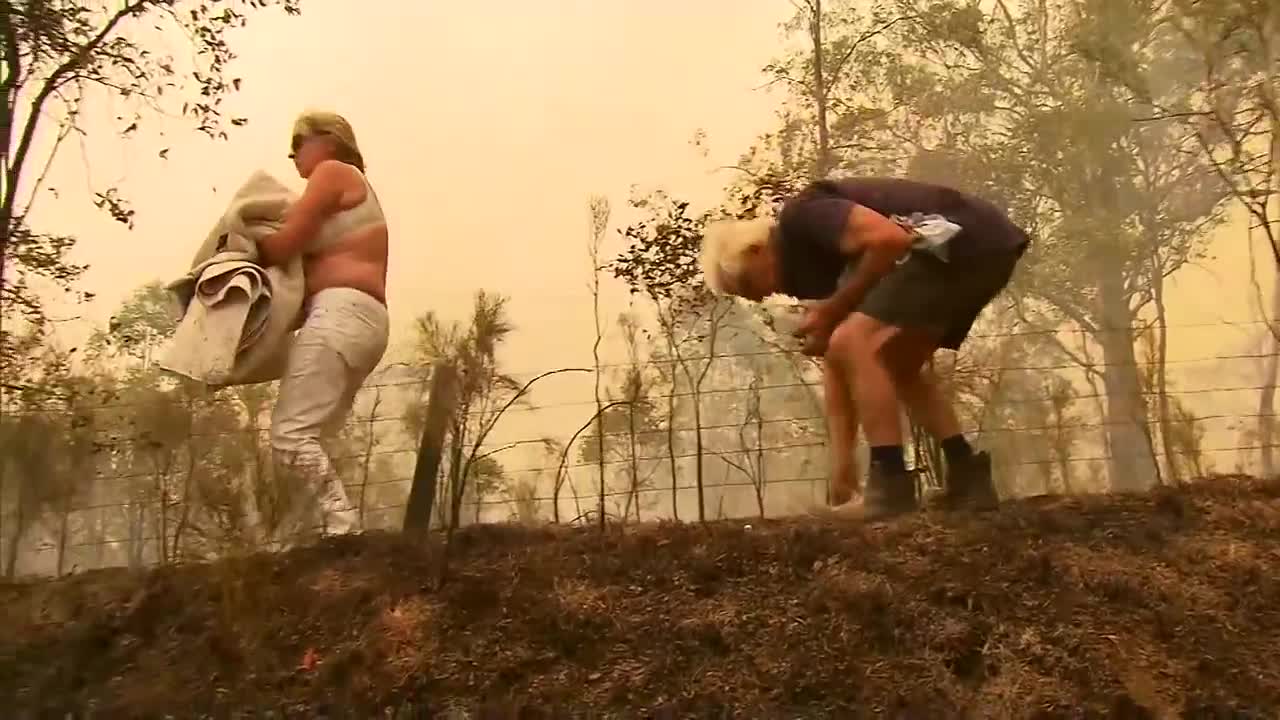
[839,65]
[564,456]
[50,85]
[488,426]
[1065,308]
[13,73]
[64,129]
[1173,116]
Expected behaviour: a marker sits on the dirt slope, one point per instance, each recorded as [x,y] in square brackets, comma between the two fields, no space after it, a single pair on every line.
[1159,606]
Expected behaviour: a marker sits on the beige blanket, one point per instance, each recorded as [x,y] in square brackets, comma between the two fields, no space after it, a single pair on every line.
[237,318]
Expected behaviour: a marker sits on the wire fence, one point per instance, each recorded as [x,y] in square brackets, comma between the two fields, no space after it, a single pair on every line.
[143,476]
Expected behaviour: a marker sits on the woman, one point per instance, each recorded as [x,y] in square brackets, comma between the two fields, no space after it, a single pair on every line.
[338,228]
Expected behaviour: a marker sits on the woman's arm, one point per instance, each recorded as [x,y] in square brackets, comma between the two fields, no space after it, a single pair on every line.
[321,199]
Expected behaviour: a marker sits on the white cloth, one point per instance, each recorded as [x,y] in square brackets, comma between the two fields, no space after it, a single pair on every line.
[341,341]
[931,233]
[236,317]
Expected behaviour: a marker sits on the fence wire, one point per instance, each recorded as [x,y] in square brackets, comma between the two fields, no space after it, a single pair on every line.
[144,482]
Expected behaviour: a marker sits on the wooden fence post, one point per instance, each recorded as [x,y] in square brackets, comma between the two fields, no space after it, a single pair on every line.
[441,401]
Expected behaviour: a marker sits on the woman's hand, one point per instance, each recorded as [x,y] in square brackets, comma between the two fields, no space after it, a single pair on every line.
[303,219]
[820,320]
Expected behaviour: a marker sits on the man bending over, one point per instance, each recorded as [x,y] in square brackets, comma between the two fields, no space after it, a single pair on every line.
[885,299]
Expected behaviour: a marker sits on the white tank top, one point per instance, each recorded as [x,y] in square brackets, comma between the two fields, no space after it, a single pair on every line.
[367,214]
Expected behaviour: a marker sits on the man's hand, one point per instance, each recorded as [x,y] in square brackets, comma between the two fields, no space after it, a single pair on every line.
[820,320]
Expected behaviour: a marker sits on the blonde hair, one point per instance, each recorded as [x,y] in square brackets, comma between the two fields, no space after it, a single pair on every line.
[725,244]
[320,122]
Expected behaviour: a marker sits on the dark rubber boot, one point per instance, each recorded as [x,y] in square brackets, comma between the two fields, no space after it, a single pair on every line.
[887,494]
[969,484]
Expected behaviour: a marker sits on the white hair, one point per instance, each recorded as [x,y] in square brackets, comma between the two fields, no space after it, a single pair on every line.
[725,244]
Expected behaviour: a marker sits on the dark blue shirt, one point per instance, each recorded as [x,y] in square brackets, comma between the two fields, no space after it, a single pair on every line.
[812,222]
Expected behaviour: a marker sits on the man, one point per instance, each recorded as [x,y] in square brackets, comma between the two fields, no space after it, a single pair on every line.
[883,304]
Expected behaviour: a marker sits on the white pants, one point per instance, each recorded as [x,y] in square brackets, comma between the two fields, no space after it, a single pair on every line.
[341,341]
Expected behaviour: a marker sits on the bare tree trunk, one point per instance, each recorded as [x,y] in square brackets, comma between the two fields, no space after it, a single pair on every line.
[162,510]
[1266,399]
[162,544]
[697,450]
[712,333]
[760,476]
[368,450]
[1162,372]
[823,163]
[184,515]
[599,209]
[4,470]
[253,500]
[635,461]
[1130,462]
[98,532]
[441,403]
[136,517]
[64,529]
[1062,449]
[15,536]
[671,440]
[456,475]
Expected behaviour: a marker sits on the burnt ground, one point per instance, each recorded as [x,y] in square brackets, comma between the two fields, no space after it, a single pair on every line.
[1165,605]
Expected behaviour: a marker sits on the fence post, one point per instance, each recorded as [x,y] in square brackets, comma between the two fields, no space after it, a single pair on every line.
[441,400]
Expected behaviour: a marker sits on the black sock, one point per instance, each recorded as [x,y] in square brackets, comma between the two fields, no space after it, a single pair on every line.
[890,457]
[956,448]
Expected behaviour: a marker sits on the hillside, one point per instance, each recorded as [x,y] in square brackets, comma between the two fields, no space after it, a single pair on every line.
[1155,606]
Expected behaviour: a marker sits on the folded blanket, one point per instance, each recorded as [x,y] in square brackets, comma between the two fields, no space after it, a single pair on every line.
[236,317]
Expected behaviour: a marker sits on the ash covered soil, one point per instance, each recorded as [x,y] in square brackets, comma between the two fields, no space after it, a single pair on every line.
[1161,605]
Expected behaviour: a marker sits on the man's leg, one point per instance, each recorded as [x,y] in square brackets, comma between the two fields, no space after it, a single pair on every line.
[968,479]
[921,305]
[842,431]
[923,396]
[857,349]
[919,389]
[934,304]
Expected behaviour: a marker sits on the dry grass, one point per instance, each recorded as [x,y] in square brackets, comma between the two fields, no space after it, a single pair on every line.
[1155,606]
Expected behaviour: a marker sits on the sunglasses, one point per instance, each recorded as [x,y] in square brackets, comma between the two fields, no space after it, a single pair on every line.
[296,143]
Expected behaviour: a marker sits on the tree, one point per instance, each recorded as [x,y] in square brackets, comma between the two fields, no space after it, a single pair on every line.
[699,328]
[484,394]
[599,211]
[260,505]
[748,457]
[1219,81]
[60,56]
[836,83]
[630,433]
[1007,104]
[661,262]
[1180,430]
[48,451]
[1221,86]
[192,458]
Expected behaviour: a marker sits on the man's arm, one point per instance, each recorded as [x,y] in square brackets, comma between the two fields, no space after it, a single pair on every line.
[321,199]
[880,241]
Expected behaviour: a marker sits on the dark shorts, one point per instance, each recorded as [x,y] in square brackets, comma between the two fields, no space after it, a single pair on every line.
[926,293]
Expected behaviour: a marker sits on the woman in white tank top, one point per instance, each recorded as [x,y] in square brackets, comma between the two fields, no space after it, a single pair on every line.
[338,227]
